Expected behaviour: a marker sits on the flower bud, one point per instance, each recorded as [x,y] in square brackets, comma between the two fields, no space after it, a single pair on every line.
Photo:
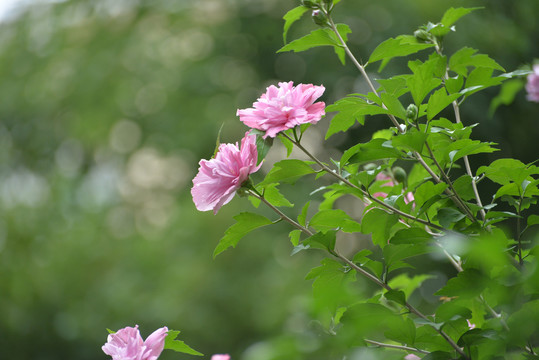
[411,112]
[320,18]
[399,174]
[423,35]
[370,166]
[309,4]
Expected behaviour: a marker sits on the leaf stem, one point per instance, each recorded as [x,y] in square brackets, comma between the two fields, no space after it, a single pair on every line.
[392,346]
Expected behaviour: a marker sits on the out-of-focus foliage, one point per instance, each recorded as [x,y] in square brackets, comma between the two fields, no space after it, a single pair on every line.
[106,107]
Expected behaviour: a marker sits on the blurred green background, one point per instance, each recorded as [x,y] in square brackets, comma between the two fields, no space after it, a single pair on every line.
[106,107]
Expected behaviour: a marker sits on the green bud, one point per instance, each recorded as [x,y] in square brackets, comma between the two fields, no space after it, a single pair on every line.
[320,18]
[399,174]
[411,112]
[242,192]
[309,4]
[423,35]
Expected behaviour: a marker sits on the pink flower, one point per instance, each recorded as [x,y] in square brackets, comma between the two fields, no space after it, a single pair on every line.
[219,178]
[127,344]
[220,357]
[470,325]
[411,357]
[284,107]
[388,182]
[532,86]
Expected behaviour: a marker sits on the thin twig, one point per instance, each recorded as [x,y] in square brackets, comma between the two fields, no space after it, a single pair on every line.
[392,346]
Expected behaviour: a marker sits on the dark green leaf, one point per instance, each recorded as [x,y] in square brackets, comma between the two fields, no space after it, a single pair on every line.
[507,94]
[397,296]
[464,147]
[245,223]
[448,216]
[402,330]
[177,345]
[468,284]
[533,220]
[477,336]
[322,240]
[263,146]
[451,310]
[410,236]
[376,149]
[412,140]
[291,17]
[395,253]
[427,191]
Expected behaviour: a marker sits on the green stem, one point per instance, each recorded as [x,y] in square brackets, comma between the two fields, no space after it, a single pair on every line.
[392,346]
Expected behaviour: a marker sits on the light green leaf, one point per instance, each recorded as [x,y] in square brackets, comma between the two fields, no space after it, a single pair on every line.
[410,236]
[245,223]
[393,105]
[177,345]
[413,140]
[379,223]
[294,237]
[464,147]
[468,284]
[533,220]
[507,94]
[427,191]
[291,17]
[422,81]
[334,219]
[376,149]
[402,45]
[452,15]
[288,171]
[438,101]
[462,59]
[274,196]
[322,240]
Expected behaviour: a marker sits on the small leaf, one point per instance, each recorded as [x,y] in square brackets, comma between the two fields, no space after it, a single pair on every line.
[438,101]
[448,216]
[322,240]
[245,223]
[263,146]
[291,17]
[427,191]
[294,237]
[397,296]
[379,223]
[452,15]
[177,345]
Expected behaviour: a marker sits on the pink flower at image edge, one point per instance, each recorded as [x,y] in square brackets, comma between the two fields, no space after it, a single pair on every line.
[532,86]
[220,357]
[127,344]
[219,178]
[284,107]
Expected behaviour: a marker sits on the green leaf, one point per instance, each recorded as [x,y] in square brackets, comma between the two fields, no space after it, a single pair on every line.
[448,216]
[393,105]
[397,296]
[177,345]
[288,171]
[468,284]
[291,17]
[503,171]
[452,15]
[263,146]
[464,147]
[350,109]
[477,336]
[330,284]
[411,236]
[412,140]
[507,94]
[274,196]
[451,310]
[463,187]
[438,101]
[423,81]
[320,37]
[379,223]
[462,59]
[438,355]
[376,149]
[393,254]
[245,223]
[322,240]
[453,85]
[302,218]
[294,237]
[533,220]
[402,330]
[334,219]
[427,191]
[402,45]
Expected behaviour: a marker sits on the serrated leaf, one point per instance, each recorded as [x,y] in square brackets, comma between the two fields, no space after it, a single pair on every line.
[413,140]
[245,223]
[393,105]
[332,219]
[464,147]
[422,81]
[288,171]
[379,223]
[402,45]
[468,284]
[291,17]
[177,345]
[427,191]
[322,240]
[376,149]
[503,171]
[274,196]
[438,101]
[464,58]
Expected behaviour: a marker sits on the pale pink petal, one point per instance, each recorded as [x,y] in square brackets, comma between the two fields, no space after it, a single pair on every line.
[218,179]
[155,344]
[220,357]
[532,86]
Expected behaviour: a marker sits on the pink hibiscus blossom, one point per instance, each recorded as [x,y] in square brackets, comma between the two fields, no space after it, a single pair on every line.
[284,108]
[127,344]
[532,86]
[220,357]
[219,178]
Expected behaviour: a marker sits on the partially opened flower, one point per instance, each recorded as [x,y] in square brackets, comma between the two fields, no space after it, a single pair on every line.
[284,107]
[532,86]
[219,178]
[127,344]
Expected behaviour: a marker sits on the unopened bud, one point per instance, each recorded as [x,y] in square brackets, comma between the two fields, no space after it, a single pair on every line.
[411,112]
[370,166]
[309,3]
[399,174]
[320,18]
[423,35]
